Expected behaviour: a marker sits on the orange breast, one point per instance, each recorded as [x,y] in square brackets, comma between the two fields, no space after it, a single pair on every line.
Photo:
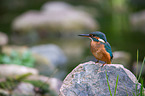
[98,50]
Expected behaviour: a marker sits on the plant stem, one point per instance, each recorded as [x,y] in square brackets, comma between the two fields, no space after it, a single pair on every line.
[116,85]
[137,63]
[108,84]
[141,68]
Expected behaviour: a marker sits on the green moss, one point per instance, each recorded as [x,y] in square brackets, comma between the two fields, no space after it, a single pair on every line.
[11,82]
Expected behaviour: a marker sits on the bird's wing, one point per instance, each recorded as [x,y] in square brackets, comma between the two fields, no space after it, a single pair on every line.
[108,49]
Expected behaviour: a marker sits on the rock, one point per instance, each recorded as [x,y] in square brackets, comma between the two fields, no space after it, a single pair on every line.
[121,57]
[49,58]
[89,79]
[75,19]
[3,39]
[55,19]
[8,70]
[51,18]
[44,65]
[54,83]
[51,52]
[4,92]
[24,89]
[138,21]
[9,49]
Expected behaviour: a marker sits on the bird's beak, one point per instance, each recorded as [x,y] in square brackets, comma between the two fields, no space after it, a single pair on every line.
[84,35]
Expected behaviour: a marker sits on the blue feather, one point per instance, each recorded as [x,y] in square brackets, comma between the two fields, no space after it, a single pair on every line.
[108,49]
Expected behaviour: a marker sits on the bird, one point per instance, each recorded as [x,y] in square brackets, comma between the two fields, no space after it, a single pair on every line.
[100,48]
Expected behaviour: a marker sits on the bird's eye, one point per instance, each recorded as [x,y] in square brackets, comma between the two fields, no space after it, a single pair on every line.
[91,35]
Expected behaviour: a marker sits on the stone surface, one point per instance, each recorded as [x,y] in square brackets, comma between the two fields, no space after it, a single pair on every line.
[9,49]
[3,39]
[55,16]
[54,83]
[51,52]
[24,89]
[89,79]
[44,65]
[7,70]
[55,21]
[49,58]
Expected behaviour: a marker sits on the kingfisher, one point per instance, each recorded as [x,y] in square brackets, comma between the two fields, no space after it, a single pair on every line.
[100,48]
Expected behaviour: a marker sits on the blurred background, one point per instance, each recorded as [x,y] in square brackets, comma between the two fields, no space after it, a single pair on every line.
[41,37]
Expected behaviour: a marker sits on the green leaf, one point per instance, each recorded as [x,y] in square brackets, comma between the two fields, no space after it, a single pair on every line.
[108,84]
[24,59]
[116,85]
[141,69]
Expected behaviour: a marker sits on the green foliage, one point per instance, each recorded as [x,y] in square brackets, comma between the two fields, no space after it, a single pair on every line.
[108,84]
[116,85]
[142,89]
[137,62]
[141,69]
[126,90]
[22,77]
[7,85]
[24,59]
[41,87]
[11,82]
[139,92]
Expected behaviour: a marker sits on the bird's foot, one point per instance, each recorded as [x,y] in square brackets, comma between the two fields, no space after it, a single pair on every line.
[103,64]
[99,70]
[97,61]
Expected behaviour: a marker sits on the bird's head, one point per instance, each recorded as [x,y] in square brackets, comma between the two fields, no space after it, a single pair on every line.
[96,36]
